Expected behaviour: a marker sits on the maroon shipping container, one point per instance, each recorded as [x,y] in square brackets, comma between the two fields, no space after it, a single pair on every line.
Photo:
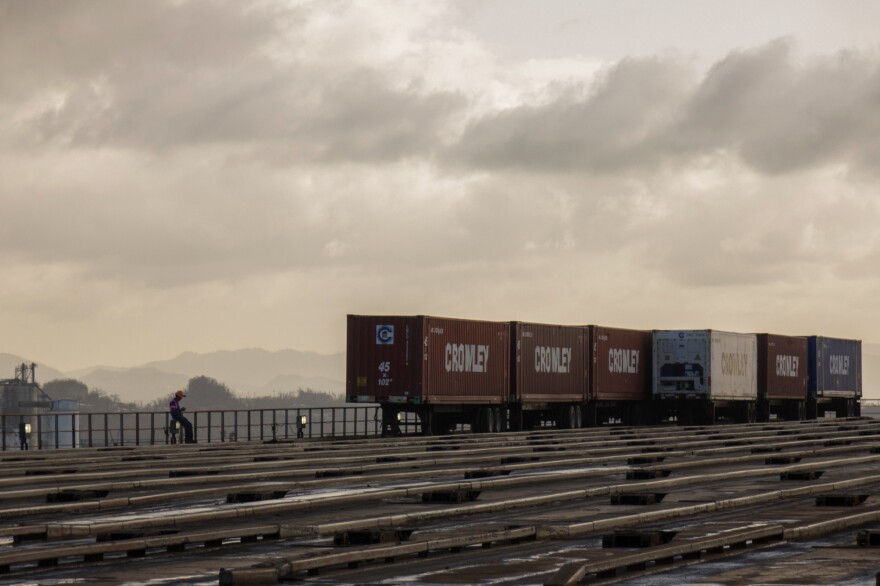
[620,368]
[550,363]
[782,367]
[422,359]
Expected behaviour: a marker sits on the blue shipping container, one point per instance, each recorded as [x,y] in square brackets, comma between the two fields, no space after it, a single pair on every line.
[835,367]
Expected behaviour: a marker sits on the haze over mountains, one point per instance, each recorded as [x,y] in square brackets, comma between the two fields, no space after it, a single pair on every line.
[259,372]
[251,371]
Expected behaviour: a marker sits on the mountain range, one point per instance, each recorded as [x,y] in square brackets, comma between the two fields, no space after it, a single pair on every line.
[258,372]
[250,371]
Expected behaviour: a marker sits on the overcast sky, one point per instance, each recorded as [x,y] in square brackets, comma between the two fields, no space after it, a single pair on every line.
[218,175]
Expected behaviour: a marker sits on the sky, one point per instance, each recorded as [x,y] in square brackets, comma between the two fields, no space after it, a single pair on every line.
[199,176]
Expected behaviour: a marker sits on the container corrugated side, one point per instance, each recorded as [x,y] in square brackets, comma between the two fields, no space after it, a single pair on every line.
[835,367]
[383,359]
[620,364]
[782,367]
[681,364]
[734,366]
[549,362]
[465,361]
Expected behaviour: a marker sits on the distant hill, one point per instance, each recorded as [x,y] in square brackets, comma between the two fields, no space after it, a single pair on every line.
[134,384]
[291,382]
[9,362]
[251,371]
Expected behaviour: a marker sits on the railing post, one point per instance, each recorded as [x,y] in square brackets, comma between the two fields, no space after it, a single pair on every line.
[121,429]
[5,429]
[152,428]
[106,430]
[57,432]
[39,432]
[222,426]
[73,437]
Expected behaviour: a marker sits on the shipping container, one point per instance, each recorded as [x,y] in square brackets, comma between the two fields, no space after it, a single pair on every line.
[549,363]
[782,367]
[835,367]
[620,364]
[834,376]
[423,359]
[438,365]
[465,361]
[383,359]
[548,375]
[782,377]
[705,364]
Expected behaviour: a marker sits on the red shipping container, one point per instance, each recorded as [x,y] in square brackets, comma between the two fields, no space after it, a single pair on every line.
[550,363]
[782,367]
[620,368]
[423,359]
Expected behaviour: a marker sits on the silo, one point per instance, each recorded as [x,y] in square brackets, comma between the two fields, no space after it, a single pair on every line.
[61,426]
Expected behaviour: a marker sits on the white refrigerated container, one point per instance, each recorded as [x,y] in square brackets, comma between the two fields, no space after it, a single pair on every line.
[705,364]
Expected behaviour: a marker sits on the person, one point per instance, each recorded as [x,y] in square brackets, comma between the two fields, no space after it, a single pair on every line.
[177,416]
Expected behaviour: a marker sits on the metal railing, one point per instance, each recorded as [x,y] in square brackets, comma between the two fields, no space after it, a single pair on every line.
[73,430]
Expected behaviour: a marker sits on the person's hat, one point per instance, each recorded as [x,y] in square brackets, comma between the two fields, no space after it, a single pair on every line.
[180,394]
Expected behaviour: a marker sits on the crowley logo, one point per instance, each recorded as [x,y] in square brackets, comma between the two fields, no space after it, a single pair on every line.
[385,335]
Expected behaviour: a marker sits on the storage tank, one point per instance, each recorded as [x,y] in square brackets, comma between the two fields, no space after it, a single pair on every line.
[21,401]
[712,369]
[62,424]
[834,378]
[458,368]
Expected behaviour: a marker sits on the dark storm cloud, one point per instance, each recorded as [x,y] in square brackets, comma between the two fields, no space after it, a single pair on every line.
[54,45]
[780,115]
[776,113]
[168,75]
[609,129]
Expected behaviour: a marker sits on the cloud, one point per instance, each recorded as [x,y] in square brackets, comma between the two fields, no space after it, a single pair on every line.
[178,74]
[605,131]
[233,174]
[781,115]
[777,113]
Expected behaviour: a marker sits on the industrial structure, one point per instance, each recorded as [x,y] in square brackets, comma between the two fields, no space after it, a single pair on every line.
[24,408]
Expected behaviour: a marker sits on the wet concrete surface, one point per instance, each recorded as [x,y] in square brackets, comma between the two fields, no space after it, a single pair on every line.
[830,560]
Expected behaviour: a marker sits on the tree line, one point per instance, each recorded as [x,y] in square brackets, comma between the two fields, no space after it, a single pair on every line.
[203,393]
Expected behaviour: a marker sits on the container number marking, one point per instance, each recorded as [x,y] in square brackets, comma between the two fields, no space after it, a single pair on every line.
[384,369]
